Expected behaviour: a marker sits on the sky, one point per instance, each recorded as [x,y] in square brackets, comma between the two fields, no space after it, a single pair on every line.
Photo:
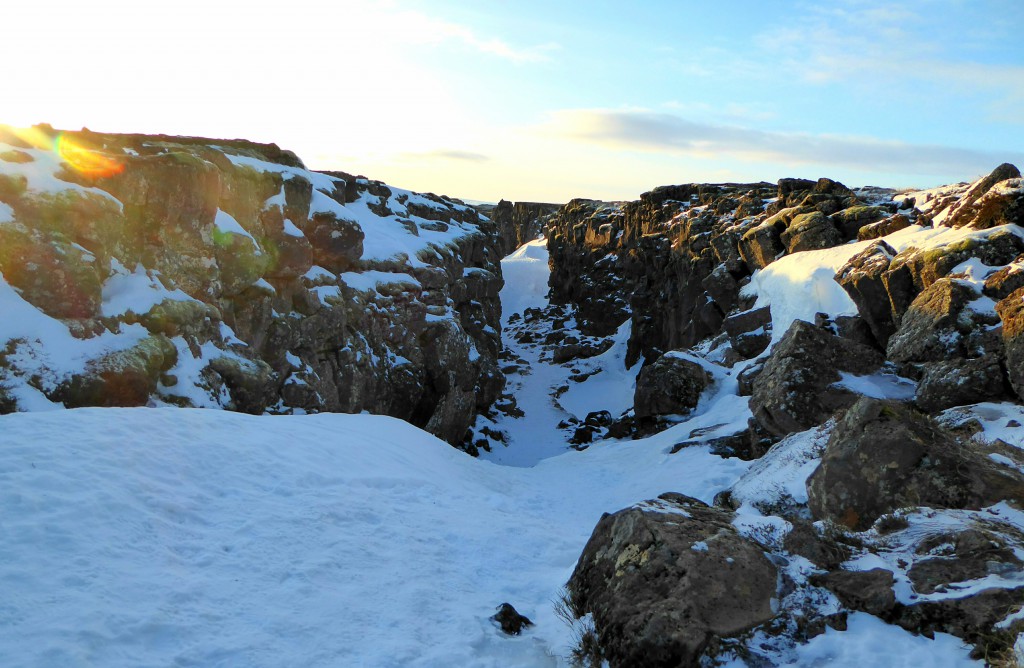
[543,100]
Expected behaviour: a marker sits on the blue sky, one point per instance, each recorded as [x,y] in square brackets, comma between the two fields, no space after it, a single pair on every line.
[536,100]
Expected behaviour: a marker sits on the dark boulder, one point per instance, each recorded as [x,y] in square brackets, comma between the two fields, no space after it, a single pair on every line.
[956,382]
[749,331]
[883,455]
[795,390]
[1011,313]
[510,621]
[862,278]
[665,578]
[868,591]
[939,325]
[810,231]
[672,385]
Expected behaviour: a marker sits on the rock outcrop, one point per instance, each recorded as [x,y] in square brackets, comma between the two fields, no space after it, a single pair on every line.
[224,274]
[520,222]
[666,578]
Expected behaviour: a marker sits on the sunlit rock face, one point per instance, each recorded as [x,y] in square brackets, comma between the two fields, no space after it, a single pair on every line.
[166,270]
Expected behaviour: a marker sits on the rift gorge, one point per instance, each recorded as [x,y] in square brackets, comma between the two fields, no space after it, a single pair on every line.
[259,415]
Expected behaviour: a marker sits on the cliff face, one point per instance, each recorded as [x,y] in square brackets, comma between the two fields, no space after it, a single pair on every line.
[676,260]
[161,270]
[520,222]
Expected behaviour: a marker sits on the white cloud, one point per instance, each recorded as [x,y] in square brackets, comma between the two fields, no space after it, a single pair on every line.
[646,130]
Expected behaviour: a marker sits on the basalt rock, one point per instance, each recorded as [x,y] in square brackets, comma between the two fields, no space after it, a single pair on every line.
[217,273]
[883,455]
[666,578]
[672,385]
[798,386]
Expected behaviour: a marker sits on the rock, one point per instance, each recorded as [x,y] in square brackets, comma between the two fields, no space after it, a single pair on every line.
[850,221]
[672,385]
[123,378]
[938,324]
[893,223]
[665,578]
[761,245]
[995,200]
[862,278]
[957,382]
[977,554]
[1011,313]
[248,381]
[795,390]
[749,331]
[868,591]
[811,231]
[883,455]
[1005,281]
[510,621]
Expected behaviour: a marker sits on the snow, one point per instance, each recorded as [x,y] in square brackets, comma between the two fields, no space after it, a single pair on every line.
[868,641]
[137,291]
[190,537]
[526,279]
[878,385]
[41,174]
[291,230]
[799,285]
[46,349]
[6,214]
[226,223]
[367,281]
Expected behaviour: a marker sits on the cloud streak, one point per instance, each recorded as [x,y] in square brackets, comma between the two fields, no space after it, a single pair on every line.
[449,154]
[646,130]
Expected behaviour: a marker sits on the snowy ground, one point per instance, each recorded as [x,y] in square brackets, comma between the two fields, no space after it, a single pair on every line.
[184,537]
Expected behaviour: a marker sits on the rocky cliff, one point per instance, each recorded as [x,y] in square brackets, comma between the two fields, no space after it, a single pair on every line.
[154,270]
[877,335]
[520,222]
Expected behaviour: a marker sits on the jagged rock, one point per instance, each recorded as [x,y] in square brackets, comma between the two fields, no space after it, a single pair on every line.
[956,382]
[672,385]
[913,270]
[862,278]
[761,245]
[722,287]
[50,271]
[795,390]
[665,578]
[510,621]
[520,222]
[849,222]
[250,382]
[976,555]
[749,331]
[893,223]
[939,324]
[1011,313]
[883,455]
[995,200]
[124,378]
[869,591]
[810,231]
[1005,281]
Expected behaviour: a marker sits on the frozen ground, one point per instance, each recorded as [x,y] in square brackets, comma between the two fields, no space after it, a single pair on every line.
[185,537]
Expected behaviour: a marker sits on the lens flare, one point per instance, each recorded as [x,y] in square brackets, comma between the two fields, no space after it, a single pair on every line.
[84,159]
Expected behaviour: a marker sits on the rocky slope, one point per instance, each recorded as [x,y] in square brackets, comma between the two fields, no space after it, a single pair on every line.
[878,337]
[191,272]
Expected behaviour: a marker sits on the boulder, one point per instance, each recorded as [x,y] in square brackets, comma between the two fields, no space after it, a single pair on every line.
[672,385]
[665,578]
[122,378]
[795,390]
[810,231]
[893,223]
[749,331]
[995,200]
[850,221]
[1002,283]
[862,278]
[868,591]
[957,382]
[1011,313]
[939,324]
[883,455]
